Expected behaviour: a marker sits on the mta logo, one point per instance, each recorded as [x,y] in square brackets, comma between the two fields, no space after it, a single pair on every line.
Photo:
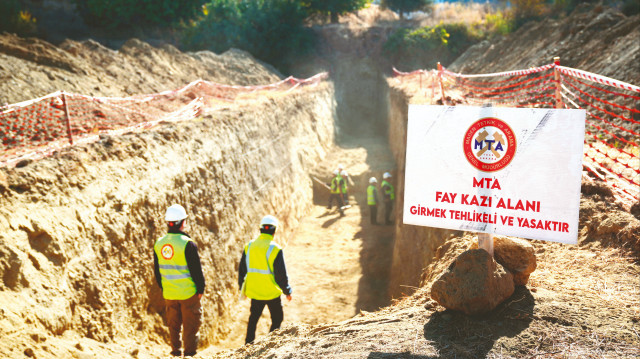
[485,144]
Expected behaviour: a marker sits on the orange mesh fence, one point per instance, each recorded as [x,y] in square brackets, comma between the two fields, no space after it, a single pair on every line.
[36,128]
[612,133]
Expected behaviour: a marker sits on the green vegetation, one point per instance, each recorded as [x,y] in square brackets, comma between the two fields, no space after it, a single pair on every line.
[271,30]
[423,47]
[406,6]
[113,14]
[13,18]
[333,8]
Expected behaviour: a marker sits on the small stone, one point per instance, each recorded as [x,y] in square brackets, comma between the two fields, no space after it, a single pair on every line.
[29,352]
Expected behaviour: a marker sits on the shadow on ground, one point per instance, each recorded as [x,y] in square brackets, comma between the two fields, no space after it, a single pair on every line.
[456,335]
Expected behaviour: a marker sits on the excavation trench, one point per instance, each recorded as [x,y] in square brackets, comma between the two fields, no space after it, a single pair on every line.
[77,229]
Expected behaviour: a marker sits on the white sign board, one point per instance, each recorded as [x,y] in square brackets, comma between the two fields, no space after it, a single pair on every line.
[509,171]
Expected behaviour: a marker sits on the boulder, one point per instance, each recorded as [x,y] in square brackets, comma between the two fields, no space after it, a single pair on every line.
[517,256]
[474,283]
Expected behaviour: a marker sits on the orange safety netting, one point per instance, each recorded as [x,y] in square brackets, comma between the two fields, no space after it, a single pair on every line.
[612,133]
[36,128]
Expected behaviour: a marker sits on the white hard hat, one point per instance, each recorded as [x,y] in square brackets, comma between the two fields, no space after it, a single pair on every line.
[373,180]
[175,213]
[336,172]
[343,173]
[386,175]
[269,220]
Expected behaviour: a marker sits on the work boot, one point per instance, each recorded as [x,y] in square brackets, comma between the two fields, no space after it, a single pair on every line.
[176,353]
[189,354]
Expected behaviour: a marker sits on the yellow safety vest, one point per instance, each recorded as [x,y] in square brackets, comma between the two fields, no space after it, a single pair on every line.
[260,282]
[335,184]
[177,283]
[388,189]
[371,197]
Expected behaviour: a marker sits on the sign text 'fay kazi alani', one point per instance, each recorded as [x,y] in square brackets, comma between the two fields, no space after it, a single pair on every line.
[509,171]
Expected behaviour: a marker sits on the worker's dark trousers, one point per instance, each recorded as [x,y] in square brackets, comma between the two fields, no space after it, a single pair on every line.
[373,212]
[338,198]
[387,212]
[257,306]
[184,314]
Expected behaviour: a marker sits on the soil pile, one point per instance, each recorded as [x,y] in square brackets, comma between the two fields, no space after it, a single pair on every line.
[31,68]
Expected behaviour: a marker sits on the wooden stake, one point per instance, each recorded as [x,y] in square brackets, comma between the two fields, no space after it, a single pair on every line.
[67,117]
[444,100]
[556,75]
[485,241]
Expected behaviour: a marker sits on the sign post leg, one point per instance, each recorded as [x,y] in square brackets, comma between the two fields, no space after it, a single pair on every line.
[485,241]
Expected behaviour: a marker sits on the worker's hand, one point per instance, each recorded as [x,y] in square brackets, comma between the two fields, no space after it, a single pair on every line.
[289,297]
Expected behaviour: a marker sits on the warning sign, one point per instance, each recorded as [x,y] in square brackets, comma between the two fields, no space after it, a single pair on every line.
[509,171]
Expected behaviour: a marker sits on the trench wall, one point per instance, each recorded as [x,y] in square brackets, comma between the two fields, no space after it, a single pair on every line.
[415,246]
[77,229]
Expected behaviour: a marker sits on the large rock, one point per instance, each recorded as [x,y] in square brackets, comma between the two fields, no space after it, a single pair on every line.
[517,256]
[474,283]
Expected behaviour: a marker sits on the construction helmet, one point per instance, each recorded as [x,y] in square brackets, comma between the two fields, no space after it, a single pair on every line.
[175,213]
[340,166]
[343,173]
[336,172]
[269,221]
[373,180]
[386,175]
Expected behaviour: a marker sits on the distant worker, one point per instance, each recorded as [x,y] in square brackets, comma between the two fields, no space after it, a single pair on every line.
[337,188]
[347,182]
[263,272]
[179,274]
[388,195]
[372,200]
[345,187]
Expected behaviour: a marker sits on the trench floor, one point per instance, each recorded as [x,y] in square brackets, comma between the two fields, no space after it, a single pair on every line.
[338,266]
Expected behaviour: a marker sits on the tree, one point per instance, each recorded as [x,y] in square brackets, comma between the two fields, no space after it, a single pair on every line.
[271,30]
[335,7]
[406,6]
[127,13]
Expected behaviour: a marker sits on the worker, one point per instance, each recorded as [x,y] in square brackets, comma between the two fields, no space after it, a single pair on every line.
[337,188]
[372,200]
[262,276]
[388,195]
[179,274]
[345,180]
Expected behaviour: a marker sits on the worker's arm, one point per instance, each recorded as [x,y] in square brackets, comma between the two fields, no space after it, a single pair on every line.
[280,274]
[195,269]
[156,270]
[242,269]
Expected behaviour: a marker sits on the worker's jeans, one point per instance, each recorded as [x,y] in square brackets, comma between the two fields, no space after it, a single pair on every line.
[373,212]
[184,313]
[338,198]
[388,206]
[257,306]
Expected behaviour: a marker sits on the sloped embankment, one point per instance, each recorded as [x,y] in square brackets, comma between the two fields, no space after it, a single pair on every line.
[77,229]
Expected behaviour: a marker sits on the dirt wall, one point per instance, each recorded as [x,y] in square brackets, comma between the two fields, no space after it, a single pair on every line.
[414,246]
[77,229]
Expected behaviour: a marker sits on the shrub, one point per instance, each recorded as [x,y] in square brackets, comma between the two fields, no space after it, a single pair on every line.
[126,13]
[270,30]
[426,46]
[14,19]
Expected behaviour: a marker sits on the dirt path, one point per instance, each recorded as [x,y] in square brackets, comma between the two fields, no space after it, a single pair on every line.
[338,266]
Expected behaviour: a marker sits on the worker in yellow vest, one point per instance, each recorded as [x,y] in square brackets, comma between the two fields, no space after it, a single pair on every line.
[179,274]
[372,200]
[388,195]
[262,276]
[337,192]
